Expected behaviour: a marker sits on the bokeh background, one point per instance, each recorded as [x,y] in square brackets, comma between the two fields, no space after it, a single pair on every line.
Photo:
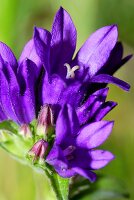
[17,19]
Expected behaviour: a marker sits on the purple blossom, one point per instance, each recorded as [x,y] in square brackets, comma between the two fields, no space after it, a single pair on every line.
[17,87]
[66,94]
[74,150]
[96,61]
[46,72]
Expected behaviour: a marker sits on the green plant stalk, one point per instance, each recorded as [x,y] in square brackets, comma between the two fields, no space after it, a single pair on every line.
[59,185]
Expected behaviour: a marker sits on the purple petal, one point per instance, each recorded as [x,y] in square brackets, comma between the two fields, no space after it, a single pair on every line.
[21,104]
[94,134]
[97,111]
[2,63]
[105,78]
[93,103]
[54,154]
[30,53]
[89,113]
[51,90]
[16,99]
[105,108]
[56,91]
[93,159]
[73,94]
[5,97]
[83,112]
[63,41]
[65,173]
[91,176]
[2,114]
[57,160]
[96,50]
[102,93]
[42,39]
[100,158]
[8,55]
[67,126]
[115,60]
[80,158]
[124,60]
[56,157]
[28,77]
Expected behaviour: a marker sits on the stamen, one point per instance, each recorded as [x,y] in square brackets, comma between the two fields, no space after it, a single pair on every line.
[70,71]
[69,150]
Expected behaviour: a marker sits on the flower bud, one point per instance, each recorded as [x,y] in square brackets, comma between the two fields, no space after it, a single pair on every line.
[25,131]
[45,120]
[38,151]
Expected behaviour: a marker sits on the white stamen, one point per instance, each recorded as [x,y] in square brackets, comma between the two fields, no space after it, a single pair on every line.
[70,71]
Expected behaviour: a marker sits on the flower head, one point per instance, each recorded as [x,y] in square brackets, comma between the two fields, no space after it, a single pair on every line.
[47,73]
[58,100]
[95,62]
[74,147]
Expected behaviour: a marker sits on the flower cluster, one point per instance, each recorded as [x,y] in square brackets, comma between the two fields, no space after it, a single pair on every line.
[58,100]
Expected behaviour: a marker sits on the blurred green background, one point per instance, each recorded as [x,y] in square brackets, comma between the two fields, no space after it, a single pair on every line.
[17,19]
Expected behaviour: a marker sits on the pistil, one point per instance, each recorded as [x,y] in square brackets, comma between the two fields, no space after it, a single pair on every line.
[71,71]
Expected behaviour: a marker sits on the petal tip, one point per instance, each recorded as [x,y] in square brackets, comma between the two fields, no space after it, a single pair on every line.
[35,29]
[110,124]
[128,87]
[114,29]
[114,26]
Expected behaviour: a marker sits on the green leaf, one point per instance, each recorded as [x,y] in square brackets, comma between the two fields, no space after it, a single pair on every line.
[9,126]
[60,185]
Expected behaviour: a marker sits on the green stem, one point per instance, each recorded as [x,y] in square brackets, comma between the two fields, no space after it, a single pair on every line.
[59,185]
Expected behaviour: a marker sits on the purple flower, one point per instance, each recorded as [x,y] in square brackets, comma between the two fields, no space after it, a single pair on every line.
[17,87]
[46,73]
[74,150]
[65,94]
[19,99]
[96,61]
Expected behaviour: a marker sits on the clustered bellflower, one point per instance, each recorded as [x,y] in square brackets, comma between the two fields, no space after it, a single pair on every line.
[57,99]
[73,150]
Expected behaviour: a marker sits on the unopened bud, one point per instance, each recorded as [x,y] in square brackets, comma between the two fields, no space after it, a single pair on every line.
[25,131]
[45,120]
[38,151]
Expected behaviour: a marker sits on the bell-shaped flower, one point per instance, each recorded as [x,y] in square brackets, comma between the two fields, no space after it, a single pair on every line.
[74,150]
